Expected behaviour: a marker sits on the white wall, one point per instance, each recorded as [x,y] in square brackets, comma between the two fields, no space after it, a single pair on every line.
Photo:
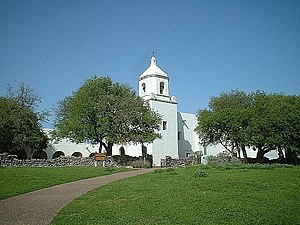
[68,148]
[188,139]
[168,144]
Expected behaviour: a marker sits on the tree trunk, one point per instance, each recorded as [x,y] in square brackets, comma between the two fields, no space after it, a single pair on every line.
[109,149]
[238,152]
[280,155]
[260,155]
[100,147]
[291,157]
[243,147]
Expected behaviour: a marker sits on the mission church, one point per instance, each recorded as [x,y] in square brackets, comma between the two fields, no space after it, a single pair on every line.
[178,138]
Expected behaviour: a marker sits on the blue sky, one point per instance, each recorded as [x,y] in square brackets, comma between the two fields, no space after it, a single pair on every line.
[206,47]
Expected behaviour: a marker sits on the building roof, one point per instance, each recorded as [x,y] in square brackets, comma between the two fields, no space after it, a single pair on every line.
[153,69]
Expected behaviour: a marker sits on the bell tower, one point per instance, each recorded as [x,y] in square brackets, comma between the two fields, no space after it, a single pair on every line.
[153,81]
[154,88]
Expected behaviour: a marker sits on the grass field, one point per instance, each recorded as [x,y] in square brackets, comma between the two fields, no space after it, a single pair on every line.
[183,196]
[19,180]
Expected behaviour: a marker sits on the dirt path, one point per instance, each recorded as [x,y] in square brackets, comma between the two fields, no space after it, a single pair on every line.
[39,207]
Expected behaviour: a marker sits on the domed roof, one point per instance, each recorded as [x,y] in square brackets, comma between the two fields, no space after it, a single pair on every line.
[153,69]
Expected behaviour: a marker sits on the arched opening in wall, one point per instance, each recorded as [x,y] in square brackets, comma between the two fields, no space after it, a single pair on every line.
[40,154]
[77,154]
[122,150]
[58,154]
[144,87]
[92,155]
[161,87]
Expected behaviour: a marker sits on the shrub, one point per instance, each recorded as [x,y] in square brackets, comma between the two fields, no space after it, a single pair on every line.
[159,171]
[200,173]
[141,164]
[221,158]
[170,169]
[110,169]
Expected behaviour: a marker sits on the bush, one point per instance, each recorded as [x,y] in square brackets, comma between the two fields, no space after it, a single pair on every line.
[110,169]
[159,171]
[141,164]
[200,173]
[221,158]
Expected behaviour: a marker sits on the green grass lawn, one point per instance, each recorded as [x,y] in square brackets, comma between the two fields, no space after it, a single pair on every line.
[18,180]
[236,196]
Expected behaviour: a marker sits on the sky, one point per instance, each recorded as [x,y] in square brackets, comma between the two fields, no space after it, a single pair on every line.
[205,47]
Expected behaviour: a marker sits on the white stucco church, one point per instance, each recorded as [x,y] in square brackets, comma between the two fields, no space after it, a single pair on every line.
[179,140]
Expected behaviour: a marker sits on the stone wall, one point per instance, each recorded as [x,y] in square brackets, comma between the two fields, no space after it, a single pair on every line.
[170,162]
[58,162]
[116,161]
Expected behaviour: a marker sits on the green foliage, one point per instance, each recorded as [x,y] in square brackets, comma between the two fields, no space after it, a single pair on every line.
[258,120]
[20,128]
[159,171]
[107,113]
[25,96]
[20,122]
[16,180]
[141,164]
[110,169]
[221,158]
[257,196]
[200,173]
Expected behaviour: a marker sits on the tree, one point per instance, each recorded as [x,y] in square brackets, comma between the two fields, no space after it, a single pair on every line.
[264,122]
[27,97]
[20,122]
[225,122]
[275,124]
[106,113]
[20,129]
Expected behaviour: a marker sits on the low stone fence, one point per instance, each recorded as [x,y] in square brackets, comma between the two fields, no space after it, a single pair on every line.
[170,162]
[115,161]
[58,162]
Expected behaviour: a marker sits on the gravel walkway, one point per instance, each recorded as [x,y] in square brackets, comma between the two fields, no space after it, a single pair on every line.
[39,207]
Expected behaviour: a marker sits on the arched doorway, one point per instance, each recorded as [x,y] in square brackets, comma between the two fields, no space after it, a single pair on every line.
[40,154]
[77,154]
[122,150]
[58,154]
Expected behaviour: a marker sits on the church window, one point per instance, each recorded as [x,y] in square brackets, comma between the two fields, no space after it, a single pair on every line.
[144,87]
[161,87]
[164,125]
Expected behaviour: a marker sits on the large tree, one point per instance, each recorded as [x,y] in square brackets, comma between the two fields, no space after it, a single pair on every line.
[20,129]
[258,120]
[106,113]
[28,98]
[225,122]
[275,125]
[20,122]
